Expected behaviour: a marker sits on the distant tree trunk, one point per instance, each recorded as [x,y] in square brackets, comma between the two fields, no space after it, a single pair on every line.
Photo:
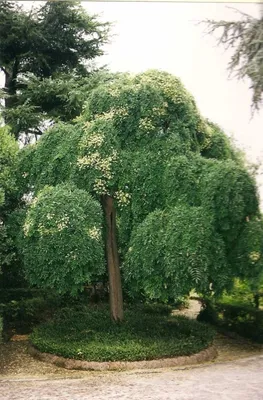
[11,84]
[116,299]
[256,300]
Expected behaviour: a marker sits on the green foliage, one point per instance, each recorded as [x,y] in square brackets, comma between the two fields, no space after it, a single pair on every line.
[248,253]
[155,308]
[8,157]
[62,244]
[246,321]
[181,179]
[56,156]
[45,72]
[146,107]
[52,99]
[9,294]
[8,154]
[23,315]
[146,184]
[5,244]
[12,266]
[180,188]
[229,193]
[240,294]
[217,145]
[89,334]
[23,309]
[246,38]
[169,255]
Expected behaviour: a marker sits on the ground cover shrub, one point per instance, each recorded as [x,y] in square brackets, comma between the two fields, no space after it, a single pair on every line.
[157,308]
[24,308]
[88,333]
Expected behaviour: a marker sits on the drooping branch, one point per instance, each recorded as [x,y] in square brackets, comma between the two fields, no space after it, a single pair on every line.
[246,38]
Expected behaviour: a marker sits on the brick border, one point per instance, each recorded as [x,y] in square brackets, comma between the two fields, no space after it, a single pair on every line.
[208,354]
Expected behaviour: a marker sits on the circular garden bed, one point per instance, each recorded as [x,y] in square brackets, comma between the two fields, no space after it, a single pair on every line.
[87,333]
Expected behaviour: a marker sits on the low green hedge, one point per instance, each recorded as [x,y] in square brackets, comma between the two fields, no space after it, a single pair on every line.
[246,321]
[87,333]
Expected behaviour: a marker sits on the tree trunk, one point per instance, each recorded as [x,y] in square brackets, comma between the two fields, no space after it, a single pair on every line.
[256,300]
[11,84]
[116,300]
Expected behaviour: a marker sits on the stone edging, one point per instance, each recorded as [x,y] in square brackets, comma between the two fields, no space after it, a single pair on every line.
[208,354]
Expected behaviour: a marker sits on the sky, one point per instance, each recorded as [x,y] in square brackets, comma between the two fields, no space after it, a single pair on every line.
[167,36]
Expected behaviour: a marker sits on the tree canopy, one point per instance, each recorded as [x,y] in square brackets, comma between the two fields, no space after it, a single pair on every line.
[176,195]
[46,55]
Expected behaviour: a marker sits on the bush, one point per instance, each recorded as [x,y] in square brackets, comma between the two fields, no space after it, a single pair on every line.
[243,294]
[62,243]
[208,314]
[23,315]
[89,334]
[8,295]
[245,321]
[1,329]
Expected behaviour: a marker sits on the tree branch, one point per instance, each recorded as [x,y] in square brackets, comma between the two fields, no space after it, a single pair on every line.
[4,70]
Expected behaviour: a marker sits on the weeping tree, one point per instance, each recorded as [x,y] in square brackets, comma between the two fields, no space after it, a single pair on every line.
[172,206]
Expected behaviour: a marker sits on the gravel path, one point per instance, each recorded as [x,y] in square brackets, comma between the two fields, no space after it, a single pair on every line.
[237,374]
[236,380]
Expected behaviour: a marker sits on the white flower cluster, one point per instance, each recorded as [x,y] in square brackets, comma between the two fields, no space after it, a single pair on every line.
[100,186]
[95,140]
[160,111]
[63,222]
[146,124]
[122,197]
[254,256]
[94,233]
[114,91]
[59,225]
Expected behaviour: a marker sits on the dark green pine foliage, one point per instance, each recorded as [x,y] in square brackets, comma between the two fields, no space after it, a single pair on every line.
[46,54]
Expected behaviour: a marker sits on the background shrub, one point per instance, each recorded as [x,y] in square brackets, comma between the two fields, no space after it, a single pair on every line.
[245,321]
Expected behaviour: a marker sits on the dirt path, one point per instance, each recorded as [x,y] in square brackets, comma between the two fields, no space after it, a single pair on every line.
[237,380]
[236,375]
